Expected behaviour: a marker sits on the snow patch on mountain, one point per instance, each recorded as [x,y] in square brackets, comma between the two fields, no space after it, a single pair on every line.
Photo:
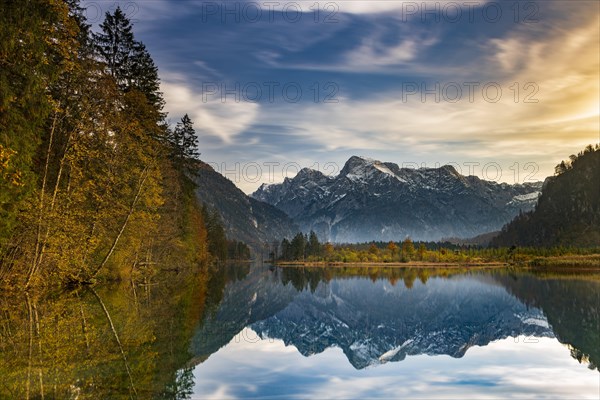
[527,197]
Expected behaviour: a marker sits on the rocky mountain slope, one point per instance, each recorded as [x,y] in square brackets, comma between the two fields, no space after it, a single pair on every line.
[373,200]
[245,219]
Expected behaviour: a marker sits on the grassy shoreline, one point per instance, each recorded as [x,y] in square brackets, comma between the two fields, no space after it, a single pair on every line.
[591,261]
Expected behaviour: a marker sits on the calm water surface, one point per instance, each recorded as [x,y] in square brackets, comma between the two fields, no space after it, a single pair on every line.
[260,332]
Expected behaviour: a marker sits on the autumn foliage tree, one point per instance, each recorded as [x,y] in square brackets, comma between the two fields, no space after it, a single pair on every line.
[88,185]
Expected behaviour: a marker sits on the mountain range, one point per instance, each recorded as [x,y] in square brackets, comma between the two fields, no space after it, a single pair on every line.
[364,319]
[374,200]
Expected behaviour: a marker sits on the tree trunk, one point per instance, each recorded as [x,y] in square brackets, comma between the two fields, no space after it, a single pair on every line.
[34,264]
[116,336]
[30,314]
[143,178]
[53,201]
[37,332]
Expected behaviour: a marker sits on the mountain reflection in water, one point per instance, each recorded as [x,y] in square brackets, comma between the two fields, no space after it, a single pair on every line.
[204,333]
[390,313]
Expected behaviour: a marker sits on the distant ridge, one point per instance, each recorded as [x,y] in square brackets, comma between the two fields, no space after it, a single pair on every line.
[374,200]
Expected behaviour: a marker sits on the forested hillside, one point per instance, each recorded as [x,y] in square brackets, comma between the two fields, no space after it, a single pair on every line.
[568,211]
[93,182]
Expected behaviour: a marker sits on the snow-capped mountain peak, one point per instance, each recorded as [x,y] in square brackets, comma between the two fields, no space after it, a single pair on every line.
[374,200]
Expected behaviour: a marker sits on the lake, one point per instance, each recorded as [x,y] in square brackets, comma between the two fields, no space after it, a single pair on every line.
[249,331]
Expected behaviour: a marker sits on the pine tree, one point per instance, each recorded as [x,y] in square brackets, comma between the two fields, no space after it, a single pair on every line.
[127,60]
[298,247]
[116,45]
[184,141]
[313,247]
[189,137]
[144,76]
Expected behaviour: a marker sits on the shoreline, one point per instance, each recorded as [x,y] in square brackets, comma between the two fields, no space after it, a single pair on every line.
[421,265]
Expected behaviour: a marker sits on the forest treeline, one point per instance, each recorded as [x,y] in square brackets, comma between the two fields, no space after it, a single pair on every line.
[307,248]
[93,180]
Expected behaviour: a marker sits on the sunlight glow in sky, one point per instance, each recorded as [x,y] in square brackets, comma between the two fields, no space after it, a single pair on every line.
[408,84]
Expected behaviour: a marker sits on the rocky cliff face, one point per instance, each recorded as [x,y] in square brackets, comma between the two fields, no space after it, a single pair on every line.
[372,200]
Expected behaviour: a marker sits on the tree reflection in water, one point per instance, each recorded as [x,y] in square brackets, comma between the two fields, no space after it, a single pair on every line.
[144,340]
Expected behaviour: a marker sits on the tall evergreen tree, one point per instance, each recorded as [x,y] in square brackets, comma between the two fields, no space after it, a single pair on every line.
[127,60]
[115,45]
[190,138]
[313,247]
[144,75]
[184,141]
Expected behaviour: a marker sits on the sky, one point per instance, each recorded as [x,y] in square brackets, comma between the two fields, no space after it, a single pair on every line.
[503,90]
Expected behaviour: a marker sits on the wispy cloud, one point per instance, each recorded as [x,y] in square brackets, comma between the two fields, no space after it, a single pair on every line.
[551,111]
[211,116]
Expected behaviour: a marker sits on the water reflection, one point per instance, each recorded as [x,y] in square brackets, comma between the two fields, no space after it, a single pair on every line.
[354,333]
[375,319]
[125,341]
[257,331]
[502,369]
